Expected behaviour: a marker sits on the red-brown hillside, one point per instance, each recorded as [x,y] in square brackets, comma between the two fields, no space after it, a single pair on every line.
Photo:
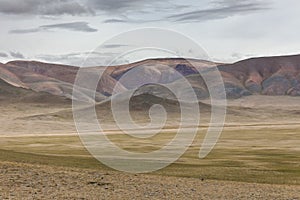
[267,75]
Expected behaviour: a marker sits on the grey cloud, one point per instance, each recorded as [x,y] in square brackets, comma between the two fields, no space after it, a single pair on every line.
[116,5]
[221,9]
[114,21]
[45,7]
[3,55]
[17,55]
[73,26]
[123,7]
[85,59]
[114,45]
[111,8]
[131,20]
[237,55]
[70,59]
[131,11]
[240,56]
[69,7]
[218,9]
[20,31]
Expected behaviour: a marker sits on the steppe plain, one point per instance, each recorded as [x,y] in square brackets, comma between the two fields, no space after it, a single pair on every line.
[256,157]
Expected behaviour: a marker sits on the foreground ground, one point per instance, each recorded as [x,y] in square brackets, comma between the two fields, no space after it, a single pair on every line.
[24,181]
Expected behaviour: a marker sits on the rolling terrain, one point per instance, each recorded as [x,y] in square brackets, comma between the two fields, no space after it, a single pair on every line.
[256,157]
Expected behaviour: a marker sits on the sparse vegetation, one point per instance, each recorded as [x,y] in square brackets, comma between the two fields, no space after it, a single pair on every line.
[266,155]
[260,144]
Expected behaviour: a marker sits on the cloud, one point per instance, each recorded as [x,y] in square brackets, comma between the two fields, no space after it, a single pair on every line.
[240,56]
[221,9]
[17,55]
[121,6]
[115,9]
[237,55]
[175,12]
[70,7]
[20,31]
[133,11]
[114,21]
[45,7]
[114,46]
[73,26]
[113,5]
[85,59]
[3,55]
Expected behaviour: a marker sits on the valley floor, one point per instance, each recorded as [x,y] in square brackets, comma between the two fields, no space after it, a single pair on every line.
[256,157]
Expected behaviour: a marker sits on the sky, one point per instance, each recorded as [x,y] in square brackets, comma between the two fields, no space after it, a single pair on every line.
[65,31]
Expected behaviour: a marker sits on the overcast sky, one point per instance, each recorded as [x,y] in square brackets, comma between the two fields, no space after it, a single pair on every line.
[63,31]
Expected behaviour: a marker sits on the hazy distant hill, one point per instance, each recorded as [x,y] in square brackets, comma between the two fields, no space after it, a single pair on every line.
[13,94]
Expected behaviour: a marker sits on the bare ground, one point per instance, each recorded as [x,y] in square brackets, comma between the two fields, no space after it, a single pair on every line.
[24,181]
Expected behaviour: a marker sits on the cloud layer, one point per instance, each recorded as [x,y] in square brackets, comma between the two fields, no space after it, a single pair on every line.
[68,7]
[17,55]
[133,11]
[221,9]
[84,59]
[45,7]
[3,55]
[73,26]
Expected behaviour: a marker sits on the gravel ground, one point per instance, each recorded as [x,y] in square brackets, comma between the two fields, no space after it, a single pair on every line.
[23,181]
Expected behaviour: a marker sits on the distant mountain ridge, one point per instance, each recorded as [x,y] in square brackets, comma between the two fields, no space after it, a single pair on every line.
[278,75]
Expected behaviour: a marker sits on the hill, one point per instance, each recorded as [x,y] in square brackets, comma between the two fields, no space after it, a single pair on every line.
[265,76]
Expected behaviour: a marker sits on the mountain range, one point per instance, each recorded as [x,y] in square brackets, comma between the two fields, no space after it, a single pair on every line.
[274,76]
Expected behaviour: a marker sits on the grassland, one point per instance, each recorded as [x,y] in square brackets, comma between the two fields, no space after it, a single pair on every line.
[264,155]
[257,145]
